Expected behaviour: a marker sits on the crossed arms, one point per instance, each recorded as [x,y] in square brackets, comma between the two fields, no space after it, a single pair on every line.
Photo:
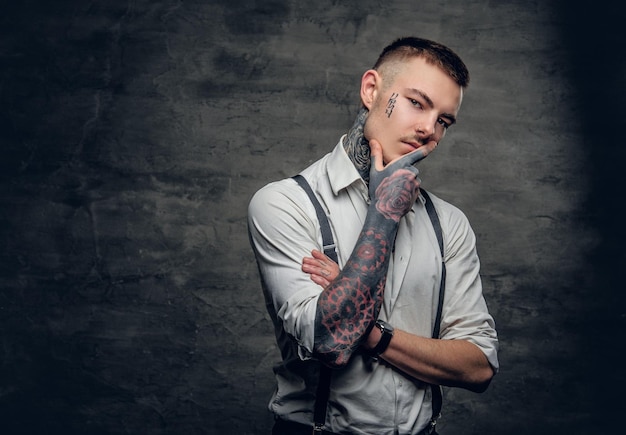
[351,299]
[332,324]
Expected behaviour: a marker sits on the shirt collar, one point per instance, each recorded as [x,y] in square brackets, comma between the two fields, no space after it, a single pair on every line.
[341,170]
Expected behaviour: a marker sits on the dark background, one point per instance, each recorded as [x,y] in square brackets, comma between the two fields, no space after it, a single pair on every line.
[133,134]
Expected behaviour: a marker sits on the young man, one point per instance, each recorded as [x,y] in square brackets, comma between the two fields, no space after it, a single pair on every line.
[370,318]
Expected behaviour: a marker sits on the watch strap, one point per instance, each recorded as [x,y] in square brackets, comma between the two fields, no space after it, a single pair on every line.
[387,333]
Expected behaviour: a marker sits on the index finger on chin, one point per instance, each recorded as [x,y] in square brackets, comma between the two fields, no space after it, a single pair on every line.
[421,152]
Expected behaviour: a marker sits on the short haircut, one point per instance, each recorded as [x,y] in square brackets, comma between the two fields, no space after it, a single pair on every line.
[433,52]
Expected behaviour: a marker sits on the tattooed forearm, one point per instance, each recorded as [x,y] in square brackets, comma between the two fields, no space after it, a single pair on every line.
[350,304]
[357,147]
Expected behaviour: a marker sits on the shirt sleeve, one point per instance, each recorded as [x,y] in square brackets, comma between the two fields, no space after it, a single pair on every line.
[283,229]
[465,313]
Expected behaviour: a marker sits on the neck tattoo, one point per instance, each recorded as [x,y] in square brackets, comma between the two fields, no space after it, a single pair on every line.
[357,147]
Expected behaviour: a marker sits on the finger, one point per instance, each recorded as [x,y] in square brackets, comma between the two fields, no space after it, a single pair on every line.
[413,170]
[324,260]
[319,255]
[323,272]
[415,155]
[308,267]
[430,147]
[311,265]
[320,280]
[310,261]
[421,152]
[376,154]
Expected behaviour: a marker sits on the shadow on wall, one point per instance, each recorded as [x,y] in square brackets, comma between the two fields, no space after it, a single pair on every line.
[595,37]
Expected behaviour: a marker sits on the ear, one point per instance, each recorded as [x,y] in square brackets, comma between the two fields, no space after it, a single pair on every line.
[370,84]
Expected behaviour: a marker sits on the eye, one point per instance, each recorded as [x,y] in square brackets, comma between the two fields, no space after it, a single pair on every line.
[415,103]
[444,123]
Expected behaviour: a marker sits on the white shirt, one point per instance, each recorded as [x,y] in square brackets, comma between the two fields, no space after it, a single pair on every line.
[366,396]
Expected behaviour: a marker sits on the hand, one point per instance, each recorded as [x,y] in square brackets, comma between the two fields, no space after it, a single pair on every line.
[394,188]
[322,269]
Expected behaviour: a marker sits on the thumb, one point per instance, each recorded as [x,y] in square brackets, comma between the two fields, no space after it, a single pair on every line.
[376,154]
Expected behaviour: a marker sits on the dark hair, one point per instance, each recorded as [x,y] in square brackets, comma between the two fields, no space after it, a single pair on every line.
[434,53]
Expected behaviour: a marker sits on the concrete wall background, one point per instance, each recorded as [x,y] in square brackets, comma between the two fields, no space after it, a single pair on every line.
[133,134]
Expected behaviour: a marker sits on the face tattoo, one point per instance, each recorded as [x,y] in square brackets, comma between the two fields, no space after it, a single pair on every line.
[391,104]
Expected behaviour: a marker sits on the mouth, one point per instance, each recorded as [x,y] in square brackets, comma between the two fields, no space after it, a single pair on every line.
[412,144]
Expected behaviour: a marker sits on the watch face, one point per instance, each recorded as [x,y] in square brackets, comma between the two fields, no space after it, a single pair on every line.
[384,327]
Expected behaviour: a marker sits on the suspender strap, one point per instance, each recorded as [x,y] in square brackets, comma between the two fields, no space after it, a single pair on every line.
[432,214]
[321,399]
[434,219]
[327,235]
[323,385]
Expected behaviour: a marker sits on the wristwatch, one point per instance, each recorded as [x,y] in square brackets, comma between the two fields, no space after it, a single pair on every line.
[387,332]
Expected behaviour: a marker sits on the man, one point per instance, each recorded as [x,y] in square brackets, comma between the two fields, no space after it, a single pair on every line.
[390,267]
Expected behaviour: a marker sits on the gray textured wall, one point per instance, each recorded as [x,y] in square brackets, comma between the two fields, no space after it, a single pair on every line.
[133,134]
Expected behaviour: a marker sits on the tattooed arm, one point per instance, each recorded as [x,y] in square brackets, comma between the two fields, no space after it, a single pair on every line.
[349,305]
[452,363]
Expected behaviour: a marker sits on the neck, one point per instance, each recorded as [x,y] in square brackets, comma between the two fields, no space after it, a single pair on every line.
[357,147]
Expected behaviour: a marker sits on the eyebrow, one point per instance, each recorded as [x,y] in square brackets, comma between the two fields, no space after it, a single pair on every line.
[430,103]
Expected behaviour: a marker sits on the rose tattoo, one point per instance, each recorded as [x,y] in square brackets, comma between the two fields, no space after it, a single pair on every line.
[395,195]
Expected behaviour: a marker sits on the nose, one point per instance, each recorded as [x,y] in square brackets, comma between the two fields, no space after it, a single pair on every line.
[425,128]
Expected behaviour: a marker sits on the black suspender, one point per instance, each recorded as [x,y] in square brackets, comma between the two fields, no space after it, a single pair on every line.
[327,235]
[434,219]
[323,387]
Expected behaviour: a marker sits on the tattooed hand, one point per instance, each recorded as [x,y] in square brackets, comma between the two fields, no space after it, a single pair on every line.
[349,304]
[394,188]
[320,267]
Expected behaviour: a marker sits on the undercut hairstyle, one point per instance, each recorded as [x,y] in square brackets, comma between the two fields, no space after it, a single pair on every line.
[433,52]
